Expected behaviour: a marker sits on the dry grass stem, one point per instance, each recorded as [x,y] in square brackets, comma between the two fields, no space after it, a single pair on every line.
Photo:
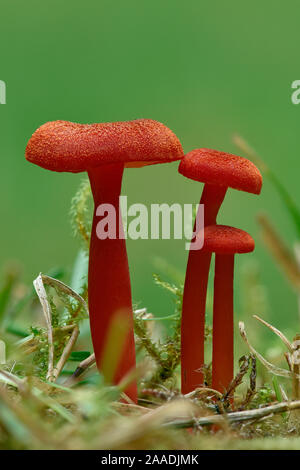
[66,353]
[42,295]
[277,332]
[81,368]
[50,281]
[271,367]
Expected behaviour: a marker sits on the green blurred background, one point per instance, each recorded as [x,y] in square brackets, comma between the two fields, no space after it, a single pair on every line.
[205,69]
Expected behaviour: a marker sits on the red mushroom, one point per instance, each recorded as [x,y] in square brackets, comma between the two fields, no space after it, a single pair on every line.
[218,170]
[103,150]
[225,242]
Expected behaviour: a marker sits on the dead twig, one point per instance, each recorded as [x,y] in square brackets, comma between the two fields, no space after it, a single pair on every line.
[244,367]
[66,353]
[203,391]
[252,387]
[82,367]
[235,417]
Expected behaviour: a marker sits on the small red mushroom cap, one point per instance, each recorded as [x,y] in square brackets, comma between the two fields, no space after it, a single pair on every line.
[221,168]
[67,146]
[222,239]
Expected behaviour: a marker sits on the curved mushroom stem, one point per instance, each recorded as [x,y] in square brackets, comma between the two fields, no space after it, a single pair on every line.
[194,298]
[222,362]
[109,288]
[212,198]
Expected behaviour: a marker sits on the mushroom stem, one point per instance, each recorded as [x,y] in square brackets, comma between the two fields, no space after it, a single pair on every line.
[109,288]
[193,321]
[222,361]
[194,298]
[212,198]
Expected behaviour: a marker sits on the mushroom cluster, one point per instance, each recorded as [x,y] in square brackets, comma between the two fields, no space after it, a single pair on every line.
[218,170]
[103,151]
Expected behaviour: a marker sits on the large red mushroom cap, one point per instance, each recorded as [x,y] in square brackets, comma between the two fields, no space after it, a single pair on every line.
[222,239]
[67,146]
[221,168]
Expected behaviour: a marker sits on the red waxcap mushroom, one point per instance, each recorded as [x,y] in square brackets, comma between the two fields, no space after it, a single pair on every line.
[221,169]
[225,242]
[218,170]
[103,150]
[67,146]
